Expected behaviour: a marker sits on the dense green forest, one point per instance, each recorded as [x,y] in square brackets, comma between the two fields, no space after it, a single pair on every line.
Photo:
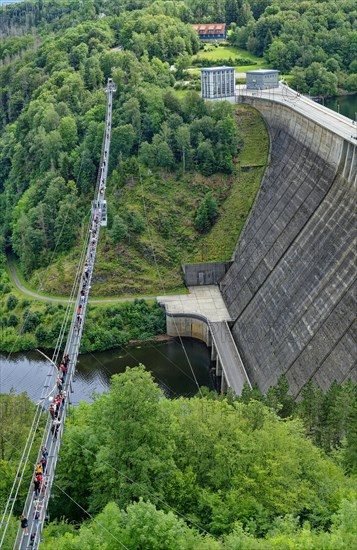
[138,469]
[176,167]
[315,41]
[55,58]
[251,472]
[167,148]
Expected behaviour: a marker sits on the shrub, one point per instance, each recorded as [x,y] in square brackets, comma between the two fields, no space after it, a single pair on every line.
[50,309]
[12,321]
[11,303]
[31,321]
[137,222]
[206,213]
[240,61]
[3,321]
[113,310]
[119,231]
[116,322]
[42,336]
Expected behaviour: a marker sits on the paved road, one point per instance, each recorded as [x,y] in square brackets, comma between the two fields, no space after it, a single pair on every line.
[20,286]
[339,124]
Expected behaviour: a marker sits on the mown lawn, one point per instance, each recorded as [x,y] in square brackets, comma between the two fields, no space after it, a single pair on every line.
[212,53]
[225,52]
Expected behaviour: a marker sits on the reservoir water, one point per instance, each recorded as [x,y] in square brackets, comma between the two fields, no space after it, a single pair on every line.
[7,2]
[344,104]
[165,360]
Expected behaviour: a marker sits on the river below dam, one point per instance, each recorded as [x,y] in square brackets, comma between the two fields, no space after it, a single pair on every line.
[166,361]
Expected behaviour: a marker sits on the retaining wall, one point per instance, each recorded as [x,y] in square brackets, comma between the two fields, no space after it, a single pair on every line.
[205,274]
[188,325]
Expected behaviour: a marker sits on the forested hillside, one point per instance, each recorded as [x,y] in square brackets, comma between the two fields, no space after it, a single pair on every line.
[55,58]
[138,470]
[52,105]
[183,174]
[178,166]
[143,471]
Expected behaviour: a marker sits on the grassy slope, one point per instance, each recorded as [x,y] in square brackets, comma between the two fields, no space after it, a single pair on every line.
[249,170]
[225,52]
[131,268]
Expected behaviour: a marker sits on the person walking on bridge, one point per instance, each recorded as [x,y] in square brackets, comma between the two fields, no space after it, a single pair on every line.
[63,369]
[43,463]
[37,516]
[24,524]
[54,428]
[36,486]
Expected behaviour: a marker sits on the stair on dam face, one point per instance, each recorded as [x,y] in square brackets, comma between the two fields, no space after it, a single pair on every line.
[291,287]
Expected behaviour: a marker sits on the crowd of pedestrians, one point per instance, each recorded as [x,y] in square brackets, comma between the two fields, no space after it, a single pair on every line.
[88,269]
[58,402]
[39,486]
[40,480]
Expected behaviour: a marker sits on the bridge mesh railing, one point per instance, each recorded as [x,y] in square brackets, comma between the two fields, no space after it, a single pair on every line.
[53,432]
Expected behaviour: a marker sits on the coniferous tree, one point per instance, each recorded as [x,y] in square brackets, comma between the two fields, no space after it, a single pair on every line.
[119,230]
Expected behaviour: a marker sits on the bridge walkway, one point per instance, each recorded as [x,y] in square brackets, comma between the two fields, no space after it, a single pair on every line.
[235,375]
[54,428]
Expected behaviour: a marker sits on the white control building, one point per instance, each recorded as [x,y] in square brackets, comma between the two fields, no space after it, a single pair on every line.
[217,82]
[262,79]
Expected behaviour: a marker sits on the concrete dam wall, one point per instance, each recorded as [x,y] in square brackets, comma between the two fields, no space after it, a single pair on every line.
[291,289]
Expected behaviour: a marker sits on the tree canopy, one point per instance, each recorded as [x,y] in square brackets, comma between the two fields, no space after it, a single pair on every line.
[224,463]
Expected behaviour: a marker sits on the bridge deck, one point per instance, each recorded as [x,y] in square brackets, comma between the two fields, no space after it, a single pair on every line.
[53,431]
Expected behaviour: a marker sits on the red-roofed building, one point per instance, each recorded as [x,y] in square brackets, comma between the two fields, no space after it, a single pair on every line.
[211,31]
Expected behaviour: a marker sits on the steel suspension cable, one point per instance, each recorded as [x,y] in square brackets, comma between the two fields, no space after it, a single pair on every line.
[77,504]
[37,415]
[161,279]
[74,337]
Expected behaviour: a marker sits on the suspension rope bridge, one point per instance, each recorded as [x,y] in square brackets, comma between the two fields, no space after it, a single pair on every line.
[35,508]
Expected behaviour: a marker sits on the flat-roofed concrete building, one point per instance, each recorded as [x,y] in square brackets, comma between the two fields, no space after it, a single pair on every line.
[261,79]
[217,82]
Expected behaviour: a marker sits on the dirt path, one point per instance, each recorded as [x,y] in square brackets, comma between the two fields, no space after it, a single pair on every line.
[20,286]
